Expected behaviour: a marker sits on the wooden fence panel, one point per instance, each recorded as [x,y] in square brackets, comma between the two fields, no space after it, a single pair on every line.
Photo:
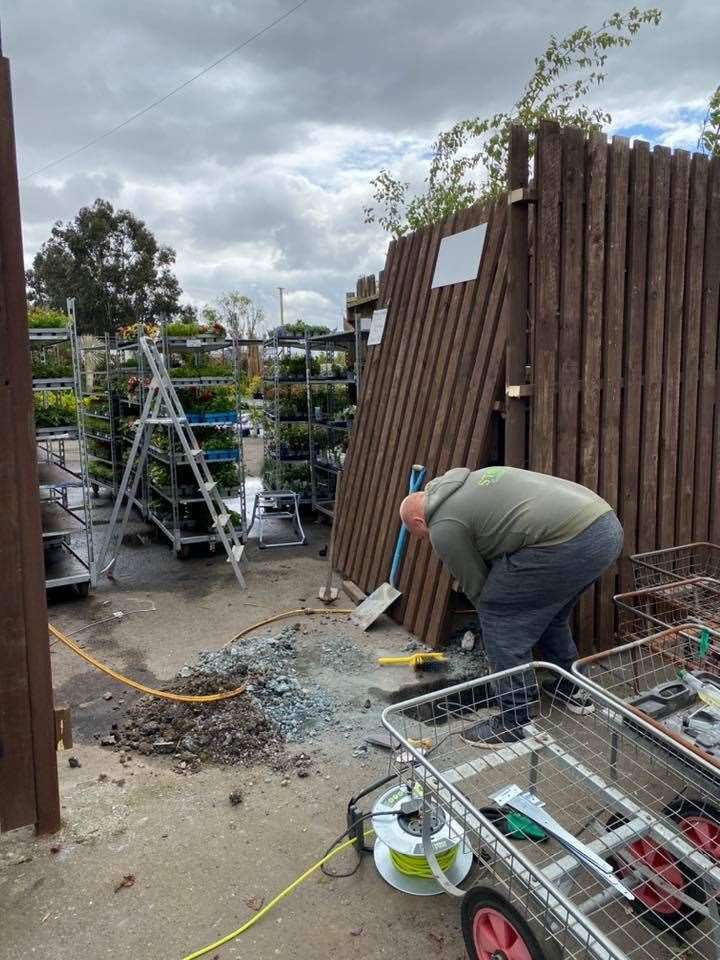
[617,249]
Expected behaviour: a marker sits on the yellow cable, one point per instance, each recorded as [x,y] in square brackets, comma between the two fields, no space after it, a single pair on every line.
[412,866]
[268,906]
[308,611]
[163,694]
[179,697]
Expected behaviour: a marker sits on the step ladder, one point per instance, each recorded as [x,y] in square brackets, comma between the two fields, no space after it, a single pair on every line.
[162,407]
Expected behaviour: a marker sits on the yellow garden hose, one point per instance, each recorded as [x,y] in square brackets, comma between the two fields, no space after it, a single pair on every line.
[150,691]
[180,697]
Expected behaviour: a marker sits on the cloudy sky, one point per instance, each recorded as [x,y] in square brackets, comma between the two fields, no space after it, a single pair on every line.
[258,172]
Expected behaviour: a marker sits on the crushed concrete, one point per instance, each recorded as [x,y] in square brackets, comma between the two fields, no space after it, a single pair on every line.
[275,708]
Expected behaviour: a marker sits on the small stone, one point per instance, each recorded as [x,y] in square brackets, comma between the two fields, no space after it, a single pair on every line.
[367,704]
[74,763]
[236,797]
[163,746]
[468,640]
[107,696]
[303,772]
[356,931]
[102,777]
[109,741]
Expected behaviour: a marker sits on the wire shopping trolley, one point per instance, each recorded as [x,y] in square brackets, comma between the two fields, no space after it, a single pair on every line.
[580,828]
[656,567]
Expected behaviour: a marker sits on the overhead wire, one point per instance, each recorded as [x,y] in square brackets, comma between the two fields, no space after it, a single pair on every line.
[166,96]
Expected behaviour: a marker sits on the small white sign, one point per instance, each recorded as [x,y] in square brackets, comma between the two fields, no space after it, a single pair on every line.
[459,257]
[377,327]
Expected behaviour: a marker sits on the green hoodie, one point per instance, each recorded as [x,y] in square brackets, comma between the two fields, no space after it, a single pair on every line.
[476,516]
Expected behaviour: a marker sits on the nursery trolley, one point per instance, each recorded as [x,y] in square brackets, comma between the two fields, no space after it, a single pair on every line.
[582,831]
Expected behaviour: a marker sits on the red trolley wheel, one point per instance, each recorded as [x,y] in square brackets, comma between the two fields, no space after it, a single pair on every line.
[494,930]
[653,901]
[699,823]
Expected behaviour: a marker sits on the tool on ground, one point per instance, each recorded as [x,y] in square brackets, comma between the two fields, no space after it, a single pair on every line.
[417,660]
[162,407]
[387,593]
[328,593]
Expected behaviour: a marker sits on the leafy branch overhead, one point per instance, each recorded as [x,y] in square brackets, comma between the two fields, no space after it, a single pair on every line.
[469,161]
[710,135]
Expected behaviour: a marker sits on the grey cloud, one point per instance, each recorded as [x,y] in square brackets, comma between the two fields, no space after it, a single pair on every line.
[209,169]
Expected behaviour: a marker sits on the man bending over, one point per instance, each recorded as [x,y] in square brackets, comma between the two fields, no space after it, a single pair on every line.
[523,546]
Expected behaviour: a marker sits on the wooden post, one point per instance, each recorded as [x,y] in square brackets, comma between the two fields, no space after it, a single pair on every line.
[516,354]
[28,771]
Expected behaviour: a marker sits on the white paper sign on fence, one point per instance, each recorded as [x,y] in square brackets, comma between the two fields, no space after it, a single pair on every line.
[459,257]
[377,327]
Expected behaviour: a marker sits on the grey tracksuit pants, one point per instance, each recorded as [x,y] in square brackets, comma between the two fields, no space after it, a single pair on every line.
[528,599]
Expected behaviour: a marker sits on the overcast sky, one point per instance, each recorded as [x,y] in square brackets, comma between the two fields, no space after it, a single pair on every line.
[258,172]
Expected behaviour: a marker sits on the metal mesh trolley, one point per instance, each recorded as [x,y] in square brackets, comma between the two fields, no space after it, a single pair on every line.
[592,834]
[677,563]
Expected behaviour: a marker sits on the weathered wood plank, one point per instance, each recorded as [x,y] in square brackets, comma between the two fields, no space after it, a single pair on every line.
[634,344]
[516,414]
[654,348]
[573,183]
[544,406]
[690,368]
[593,296]
[706,480]
[613,342]
[670,425]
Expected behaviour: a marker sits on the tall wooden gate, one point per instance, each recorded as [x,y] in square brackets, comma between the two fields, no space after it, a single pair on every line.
[28,772]
[623,277]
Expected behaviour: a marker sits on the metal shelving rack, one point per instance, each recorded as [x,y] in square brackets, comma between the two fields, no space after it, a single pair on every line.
[323,473]
[64,494]
[275,349]
[102,448]
[167,505]
[126,405]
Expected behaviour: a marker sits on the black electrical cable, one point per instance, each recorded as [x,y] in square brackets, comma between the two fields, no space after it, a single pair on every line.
[345,833]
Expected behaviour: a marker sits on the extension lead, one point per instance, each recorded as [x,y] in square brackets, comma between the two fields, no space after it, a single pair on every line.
[413,866]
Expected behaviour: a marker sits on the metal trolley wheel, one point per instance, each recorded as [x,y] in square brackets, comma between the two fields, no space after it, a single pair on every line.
[494,930]
[653,901]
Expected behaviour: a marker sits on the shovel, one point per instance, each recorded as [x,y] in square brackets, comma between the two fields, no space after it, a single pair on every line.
[328,593]
[387,593]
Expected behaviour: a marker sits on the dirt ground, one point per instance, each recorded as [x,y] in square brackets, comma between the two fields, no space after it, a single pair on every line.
[199,865]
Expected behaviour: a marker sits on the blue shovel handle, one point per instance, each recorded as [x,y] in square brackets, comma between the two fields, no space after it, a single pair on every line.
[417,475]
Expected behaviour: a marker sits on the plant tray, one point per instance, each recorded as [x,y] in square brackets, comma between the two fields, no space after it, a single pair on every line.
[228,454]
[57,432]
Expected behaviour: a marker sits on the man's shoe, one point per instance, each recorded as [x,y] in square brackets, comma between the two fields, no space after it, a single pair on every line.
[492,733]
[570,697]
